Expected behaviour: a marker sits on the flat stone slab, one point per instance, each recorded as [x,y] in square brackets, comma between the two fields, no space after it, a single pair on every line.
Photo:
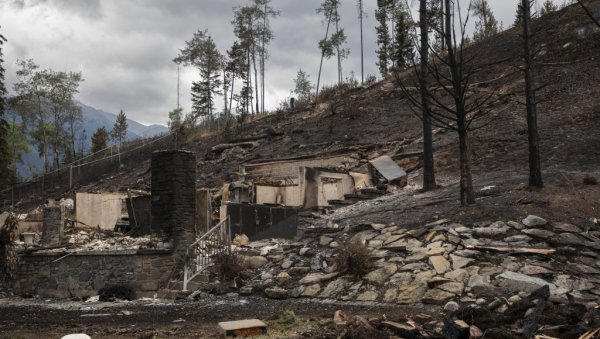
[246,327]
[517,282]
[540,233]
[534,221]
[313,278]
[439,263]
[563,227]
[435,251]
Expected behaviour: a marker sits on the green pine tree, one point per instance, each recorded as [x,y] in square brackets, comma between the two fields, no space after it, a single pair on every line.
[383,36]
[119,130]
[99,139]
[548,7]
[175,119]
[303,87]
[403,53]
[487,25]
[201,52]
[518,15]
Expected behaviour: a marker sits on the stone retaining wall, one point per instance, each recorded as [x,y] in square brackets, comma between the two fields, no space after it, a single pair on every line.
[84,274]
[79,274]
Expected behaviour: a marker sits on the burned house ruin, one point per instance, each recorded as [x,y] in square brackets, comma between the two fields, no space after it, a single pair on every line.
[163,232]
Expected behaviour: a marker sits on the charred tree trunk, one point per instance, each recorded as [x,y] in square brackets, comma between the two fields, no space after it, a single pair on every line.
[467,195]
[339,57]
[362,56]
[428,165]
[231,94]
[535,170]
[255,81]
[589,13]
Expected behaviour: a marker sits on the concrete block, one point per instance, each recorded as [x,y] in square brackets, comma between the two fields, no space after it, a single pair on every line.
[243,328]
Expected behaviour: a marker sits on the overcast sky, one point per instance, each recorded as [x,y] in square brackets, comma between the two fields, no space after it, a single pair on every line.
[125,48]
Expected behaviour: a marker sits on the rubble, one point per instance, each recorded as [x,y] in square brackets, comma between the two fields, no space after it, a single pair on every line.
[490,267]
[96,240]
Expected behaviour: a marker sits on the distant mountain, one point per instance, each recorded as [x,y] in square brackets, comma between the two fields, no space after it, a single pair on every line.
[93,119]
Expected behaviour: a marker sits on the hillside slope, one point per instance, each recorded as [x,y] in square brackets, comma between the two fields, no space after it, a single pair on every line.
[379,119]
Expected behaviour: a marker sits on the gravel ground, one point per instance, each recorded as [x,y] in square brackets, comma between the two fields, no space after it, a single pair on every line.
[153,318]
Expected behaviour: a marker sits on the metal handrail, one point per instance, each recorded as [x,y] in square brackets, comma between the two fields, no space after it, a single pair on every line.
[201,253]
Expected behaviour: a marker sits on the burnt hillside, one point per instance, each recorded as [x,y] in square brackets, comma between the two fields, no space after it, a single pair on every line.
[379,119]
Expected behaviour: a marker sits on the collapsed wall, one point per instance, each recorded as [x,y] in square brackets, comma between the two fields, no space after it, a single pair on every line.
[63,270]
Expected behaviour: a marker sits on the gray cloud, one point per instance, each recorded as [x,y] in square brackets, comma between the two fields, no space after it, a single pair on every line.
[91,9]
[125,48]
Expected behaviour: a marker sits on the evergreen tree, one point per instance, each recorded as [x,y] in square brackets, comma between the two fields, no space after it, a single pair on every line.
[265,35]
[519,15]
[435,23]
[383,36]
[235,68]
[119,130]
[175,119]
[548,7]
[99,139]
[303,87]
[487,25]
[7,175]
[244,29]
[402,54]
[201,52]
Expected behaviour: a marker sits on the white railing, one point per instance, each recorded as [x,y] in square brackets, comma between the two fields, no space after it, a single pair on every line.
[203,251]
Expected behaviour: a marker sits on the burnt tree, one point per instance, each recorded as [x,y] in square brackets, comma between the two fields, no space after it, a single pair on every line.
[535,169]
[589,13]
[449,95]
[428,164]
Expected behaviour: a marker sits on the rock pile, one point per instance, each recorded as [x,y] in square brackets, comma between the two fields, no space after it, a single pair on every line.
[490,264]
